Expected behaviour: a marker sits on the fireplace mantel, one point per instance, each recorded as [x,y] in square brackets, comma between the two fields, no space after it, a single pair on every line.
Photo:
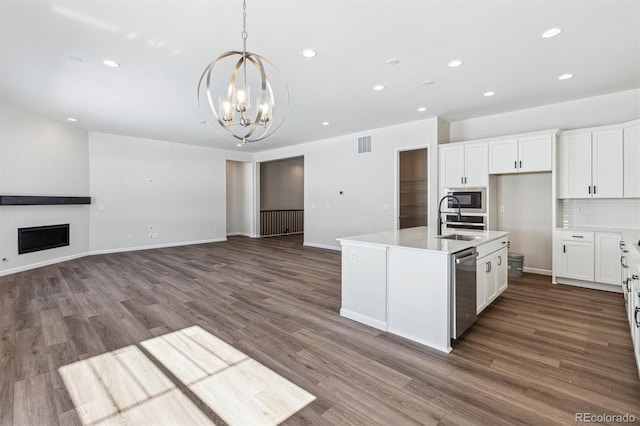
[41,200]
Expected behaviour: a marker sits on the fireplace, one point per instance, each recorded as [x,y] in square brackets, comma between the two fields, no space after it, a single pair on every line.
[42,238]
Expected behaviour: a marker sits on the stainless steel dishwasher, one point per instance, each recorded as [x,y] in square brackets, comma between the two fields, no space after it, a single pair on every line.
[463,291]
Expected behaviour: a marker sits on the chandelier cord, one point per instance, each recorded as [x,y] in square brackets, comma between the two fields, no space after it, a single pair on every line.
[244,41]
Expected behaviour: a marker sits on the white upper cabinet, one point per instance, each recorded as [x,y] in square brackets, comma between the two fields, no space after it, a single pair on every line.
[535,153]
[452,166]
[463,165]
[607,163]
[476,167]
[574,152]
[591,164]
[631,153]
[521,154]
[503,156]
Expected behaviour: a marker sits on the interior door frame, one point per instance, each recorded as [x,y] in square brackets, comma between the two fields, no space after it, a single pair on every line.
[396,188]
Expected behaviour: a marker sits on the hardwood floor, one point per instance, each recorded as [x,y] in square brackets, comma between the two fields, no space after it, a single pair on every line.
[538,355]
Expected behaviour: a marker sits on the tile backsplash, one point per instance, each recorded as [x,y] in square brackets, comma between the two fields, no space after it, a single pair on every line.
[601,213]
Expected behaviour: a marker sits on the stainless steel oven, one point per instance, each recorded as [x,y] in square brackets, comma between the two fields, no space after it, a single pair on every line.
[472,200]
[476,223]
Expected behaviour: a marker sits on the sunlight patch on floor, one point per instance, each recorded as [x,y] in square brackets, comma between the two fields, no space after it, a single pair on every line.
[239,389]
[126,387]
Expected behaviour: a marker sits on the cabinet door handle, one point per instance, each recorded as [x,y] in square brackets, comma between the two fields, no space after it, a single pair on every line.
[589,189]
[594,189]
[465,179]
[635,317]
[520,163]
[515,164]
[577,236]
[499,260]
[564,248]
[487,267]
[461,180]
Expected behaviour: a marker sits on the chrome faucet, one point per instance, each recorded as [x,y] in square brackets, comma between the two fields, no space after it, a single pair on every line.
[440,211]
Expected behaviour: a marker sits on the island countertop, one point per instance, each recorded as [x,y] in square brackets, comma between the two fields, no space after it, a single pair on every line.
[422,238]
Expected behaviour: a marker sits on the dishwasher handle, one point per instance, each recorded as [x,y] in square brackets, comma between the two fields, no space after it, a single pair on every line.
[465,259]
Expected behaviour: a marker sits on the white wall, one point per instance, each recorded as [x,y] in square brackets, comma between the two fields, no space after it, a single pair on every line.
[179,190]
[39,156]
[596,111]
[368,180]
[239,198]
[282,184]
[526,201]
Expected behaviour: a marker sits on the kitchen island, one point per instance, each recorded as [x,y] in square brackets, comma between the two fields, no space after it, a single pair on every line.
[401,281]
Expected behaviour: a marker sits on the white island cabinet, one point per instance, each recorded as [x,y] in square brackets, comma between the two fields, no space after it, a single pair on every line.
[400,281]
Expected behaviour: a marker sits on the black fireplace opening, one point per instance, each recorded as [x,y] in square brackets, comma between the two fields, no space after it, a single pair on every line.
[38,238]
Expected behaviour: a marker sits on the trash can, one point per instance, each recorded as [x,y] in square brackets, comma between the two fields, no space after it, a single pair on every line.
[515,263]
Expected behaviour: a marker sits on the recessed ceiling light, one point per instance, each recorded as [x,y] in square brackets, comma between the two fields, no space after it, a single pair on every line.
[325,123]
[110,63]
[238,144]
[72,119]
[393,61]
[489,93]
[427,82]
[422,109]
[551,32]
[455,63]
[378,87]
[309,53]
[565,77]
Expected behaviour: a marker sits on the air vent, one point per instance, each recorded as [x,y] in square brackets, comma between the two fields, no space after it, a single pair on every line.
[364,144]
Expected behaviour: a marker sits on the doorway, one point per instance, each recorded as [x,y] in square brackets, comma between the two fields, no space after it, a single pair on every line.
[282,197]
[413,188]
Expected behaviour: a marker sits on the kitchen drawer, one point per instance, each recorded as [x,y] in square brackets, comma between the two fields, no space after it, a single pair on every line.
[584,236]
[492,246]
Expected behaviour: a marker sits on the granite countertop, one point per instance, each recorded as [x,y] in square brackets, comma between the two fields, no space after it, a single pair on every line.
[422,238]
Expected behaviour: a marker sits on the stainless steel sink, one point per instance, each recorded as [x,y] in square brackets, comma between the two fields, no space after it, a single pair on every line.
[459,237]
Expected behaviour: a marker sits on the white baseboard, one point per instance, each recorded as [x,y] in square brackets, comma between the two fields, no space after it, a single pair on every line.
[589,284]
[441,348]
[371,322]
[537,271]
[107,251]
[322,246]
[41,264]
[156,246]
[241,234]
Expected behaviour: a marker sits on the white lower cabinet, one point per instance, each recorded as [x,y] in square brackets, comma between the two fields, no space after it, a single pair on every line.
[589,256]
[491,277]
[608,268]
[632,301]
[577,260]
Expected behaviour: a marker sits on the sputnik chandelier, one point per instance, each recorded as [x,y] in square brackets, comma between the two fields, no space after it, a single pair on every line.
[229,99]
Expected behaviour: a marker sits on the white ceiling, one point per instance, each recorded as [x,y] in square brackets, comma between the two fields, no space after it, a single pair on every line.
[163,47]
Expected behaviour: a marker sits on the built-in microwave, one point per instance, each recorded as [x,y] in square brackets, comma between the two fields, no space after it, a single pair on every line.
[471,200]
